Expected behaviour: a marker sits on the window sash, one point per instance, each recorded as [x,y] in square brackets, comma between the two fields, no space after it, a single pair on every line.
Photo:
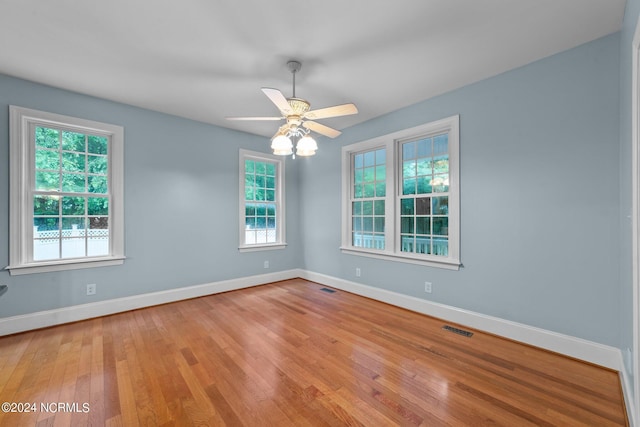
[65,243]
[423,184]
[368,198]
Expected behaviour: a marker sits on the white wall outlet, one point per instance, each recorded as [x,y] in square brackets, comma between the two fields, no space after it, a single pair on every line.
[91,289]
[358,272]
[427,287]
[266,264]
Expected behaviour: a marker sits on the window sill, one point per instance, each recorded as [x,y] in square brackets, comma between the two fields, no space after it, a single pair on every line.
[446,263]
[265,247]
[48,266]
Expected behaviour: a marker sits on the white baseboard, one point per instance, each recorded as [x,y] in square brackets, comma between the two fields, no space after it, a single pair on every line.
[43,319]
[599,354]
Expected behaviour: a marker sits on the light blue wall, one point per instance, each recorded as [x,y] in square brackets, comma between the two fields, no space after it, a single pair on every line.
[181,205]
[540,233]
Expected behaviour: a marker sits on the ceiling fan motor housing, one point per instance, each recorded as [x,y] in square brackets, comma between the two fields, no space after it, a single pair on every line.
[298,105]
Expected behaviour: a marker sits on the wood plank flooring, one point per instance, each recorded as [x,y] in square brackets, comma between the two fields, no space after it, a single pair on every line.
[290,354]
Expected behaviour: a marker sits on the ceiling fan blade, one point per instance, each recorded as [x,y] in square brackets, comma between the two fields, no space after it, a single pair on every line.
[335,111]
[321,129]
[254,118]
[278,98]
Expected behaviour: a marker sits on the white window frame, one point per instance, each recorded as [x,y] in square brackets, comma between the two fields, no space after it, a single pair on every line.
[21,176]
[391,142]
[280,201]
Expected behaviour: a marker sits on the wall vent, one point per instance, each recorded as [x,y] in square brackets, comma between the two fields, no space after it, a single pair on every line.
[457,331]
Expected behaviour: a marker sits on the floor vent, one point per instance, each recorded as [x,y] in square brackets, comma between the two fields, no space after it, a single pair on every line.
[330,291]
[457,331]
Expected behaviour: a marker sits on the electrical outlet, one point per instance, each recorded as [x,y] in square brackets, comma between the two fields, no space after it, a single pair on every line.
[266,264]
[358,271]
[91,289]
[427,287]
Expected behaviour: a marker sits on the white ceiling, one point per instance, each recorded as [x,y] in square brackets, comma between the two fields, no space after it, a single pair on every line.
[208,59]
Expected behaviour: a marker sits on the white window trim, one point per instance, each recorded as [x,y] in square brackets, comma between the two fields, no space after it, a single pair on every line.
[21,157]
[391,143]
[280,202]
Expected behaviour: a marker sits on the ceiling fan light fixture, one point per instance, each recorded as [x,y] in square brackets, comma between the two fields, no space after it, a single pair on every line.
[281,145]
[300,119]
[307,146]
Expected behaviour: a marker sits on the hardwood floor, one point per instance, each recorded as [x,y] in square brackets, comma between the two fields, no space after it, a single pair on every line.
[290,353]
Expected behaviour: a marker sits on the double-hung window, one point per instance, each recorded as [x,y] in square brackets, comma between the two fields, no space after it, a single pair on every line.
[261,201]
[401,195]
[66,198]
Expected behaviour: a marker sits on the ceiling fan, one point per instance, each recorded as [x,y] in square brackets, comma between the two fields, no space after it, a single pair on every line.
[299,119]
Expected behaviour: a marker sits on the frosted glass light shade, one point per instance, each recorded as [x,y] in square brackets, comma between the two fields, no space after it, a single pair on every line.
[307,146]
[281,145]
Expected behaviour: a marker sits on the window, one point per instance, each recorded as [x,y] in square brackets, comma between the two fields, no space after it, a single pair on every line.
[261,201]
[66,200]
[401,196]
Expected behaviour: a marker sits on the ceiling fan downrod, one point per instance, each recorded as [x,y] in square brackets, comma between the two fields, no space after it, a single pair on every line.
[294,67]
